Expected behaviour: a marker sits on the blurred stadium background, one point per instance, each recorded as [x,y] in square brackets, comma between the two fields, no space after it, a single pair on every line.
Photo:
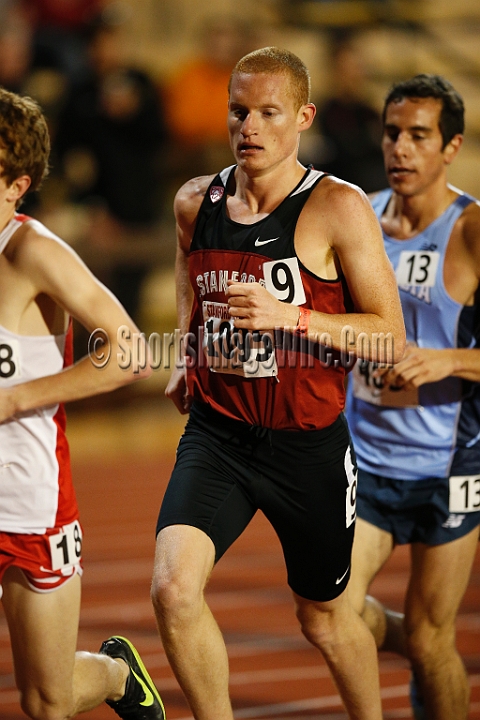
[123,444]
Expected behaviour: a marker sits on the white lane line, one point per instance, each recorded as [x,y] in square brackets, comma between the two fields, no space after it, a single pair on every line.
[103,572]
[9,696]
[216,601]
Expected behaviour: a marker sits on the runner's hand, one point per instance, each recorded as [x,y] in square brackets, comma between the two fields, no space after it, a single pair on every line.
[254,308]
[7,406]
[176,391]
[419,366]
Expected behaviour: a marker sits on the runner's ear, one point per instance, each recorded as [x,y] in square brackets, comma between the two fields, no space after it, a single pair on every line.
[450,151]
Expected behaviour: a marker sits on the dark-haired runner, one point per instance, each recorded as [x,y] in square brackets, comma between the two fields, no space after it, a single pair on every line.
[416,428]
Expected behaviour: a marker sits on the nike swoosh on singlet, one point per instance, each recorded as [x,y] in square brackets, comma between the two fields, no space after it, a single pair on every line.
[149,699]
[264,242]
[339,580]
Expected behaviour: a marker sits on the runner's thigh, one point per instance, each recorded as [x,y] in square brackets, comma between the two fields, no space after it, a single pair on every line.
[43,630]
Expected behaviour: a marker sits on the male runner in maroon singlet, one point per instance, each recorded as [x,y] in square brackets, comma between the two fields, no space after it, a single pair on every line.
[269,245]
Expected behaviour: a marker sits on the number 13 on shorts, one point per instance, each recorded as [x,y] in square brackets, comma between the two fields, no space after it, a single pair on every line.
[464,493]
[66,546]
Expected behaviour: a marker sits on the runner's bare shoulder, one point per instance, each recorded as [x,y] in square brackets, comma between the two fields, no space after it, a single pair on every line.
[189,198]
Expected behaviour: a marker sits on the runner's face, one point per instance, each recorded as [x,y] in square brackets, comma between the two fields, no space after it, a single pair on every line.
[263,121]
[412,145]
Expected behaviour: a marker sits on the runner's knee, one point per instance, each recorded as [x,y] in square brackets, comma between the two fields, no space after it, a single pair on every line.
[427,641]
[39,704]
[175,596]
[318,626]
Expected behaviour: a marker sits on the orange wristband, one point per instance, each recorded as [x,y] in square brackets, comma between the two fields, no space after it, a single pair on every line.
[303,321]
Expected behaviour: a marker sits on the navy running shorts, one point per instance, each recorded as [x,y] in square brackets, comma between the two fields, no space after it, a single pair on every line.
[412,510]
[303,481]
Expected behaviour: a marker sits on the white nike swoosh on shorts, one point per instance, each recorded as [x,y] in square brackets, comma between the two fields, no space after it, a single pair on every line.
[339,580]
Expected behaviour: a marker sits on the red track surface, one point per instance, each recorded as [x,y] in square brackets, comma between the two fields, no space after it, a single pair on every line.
[274,671]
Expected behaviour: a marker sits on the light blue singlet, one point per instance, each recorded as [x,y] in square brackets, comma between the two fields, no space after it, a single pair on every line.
[413,435]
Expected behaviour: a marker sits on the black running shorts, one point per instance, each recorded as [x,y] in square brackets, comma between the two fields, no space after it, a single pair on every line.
[303,481]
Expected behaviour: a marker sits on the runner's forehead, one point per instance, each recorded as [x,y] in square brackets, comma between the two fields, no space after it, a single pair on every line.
[261,89]
[411,113]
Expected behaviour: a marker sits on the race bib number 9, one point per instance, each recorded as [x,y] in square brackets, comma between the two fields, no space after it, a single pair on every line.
[464,493]
[66,546]
[283,280]
[235,351]
[372,389]
[417,268]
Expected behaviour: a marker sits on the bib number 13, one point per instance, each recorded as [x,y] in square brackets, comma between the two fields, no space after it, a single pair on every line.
[464,493]
[417,268]
[66,546]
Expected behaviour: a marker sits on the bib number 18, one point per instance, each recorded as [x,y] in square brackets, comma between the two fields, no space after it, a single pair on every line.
[9,360]
[66,546]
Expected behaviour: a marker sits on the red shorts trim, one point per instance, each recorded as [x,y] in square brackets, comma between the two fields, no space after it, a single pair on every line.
[48,561]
